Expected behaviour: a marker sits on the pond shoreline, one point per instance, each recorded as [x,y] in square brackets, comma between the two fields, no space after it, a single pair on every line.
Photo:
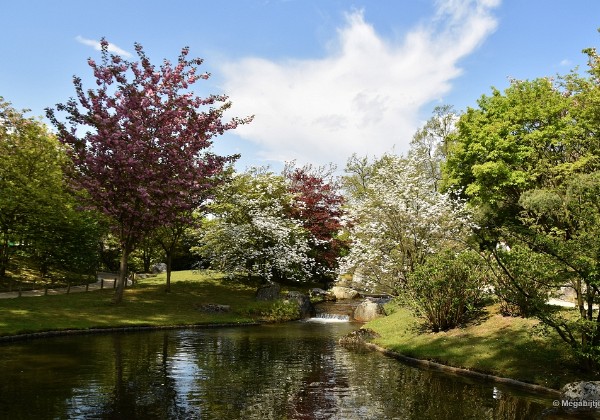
[428,364]
[102,330]
[421,363]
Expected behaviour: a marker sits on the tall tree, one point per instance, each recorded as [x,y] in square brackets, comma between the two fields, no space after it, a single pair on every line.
[432,142]
[398,221]
[529,159]
[167,237]
[35,209]
[143,158]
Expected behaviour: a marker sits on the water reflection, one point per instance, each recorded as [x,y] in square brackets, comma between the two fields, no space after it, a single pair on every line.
[294,371]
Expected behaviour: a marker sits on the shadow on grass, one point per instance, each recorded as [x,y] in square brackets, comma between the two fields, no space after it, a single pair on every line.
[497,345]
[144,304]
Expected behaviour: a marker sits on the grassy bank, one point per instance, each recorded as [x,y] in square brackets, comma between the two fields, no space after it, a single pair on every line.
[146,304]
[509,347]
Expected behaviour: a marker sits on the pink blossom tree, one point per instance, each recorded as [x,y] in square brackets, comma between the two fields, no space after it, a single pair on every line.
[140,143]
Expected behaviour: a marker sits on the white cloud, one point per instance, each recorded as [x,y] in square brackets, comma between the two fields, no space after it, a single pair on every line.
[365,96]
[96,45]
[565,62]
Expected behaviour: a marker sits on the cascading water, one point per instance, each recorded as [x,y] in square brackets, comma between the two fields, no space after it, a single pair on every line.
[326,318]
[333,312]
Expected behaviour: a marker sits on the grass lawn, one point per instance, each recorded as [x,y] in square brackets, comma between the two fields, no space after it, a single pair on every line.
[510,347]
[143,305]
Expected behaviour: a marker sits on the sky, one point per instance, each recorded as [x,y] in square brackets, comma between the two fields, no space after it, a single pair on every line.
[323,78]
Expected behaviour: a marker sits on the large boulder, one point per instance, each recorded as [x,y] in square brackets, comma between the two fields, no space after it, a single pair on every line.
[580,396]
[368,310]
[344,292]
[268,291]
[159,268]
[325,295]
[305,307]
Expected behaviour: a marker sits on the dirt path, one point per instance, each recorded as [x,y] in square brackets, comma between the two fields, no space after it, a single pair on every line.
[108,284]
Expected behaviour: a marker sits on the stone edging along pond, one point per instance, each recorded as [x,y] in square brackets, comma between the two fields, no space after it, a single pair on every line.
[100,330]
[539,389]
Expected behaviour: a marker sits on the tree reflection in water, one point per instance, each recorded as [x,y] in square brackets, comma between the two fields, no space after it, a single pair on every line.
[293,370]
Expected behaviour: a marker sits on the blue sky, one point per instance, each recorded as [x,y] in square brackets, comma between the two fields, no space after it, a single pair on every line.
[324,78]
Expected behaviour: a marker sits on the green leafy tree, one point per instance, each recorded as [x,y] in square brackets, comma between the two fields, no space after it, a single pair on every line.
[65,238]
[358,173]
[528,159]
[36,209]
[432,142]
[168,238]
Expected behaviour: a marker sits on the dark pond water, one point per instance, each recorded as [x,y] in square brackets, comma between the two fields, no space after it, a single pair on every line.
[287,371]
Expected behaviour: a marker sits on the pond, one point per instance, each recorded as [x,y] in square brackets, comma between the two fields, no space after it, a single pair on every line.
[286,371]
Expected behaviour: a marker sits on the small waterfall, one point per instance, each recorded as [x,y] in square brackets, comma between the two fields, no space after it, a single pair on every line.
[324,317]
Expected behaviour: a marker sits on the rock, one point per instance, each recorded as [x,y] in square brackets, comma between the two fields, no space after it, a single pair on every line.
[268,292]
[306,309]
[358,337]
[323,294]
[213,308]
[159,268]
[368,310]
[344,292]
[580,396]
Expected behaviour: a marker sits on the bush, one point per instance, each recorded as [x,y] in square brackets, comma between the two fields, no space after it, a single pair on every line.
[523,286]
[447,289]
[274,311]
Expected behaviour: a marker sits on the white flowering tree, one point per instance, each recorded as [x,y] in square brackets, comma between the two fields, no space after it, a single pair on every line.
[398,220]
[250,230]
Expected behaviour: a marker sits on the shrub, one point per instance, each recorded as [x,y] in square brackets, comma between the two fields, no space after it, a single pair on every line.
[274,311]
[447,289]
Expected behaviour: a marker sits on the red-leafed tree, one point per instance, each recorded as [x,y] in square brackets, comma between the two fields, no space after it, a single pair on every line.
[140,143]
[318,205]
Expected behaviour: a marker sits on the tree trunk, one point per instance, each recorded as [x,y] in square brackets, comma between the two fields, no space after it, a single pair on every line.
[122,278]
[3,256]
[169,258]
[146,256]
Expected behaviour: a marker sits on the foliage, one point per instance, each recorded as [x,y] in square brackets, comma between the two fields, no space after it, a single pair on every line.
[358,173]
[318,205]
[65,239]
[529,160]
[38,216]
[167,237]
[139,143]
[251,231]
[447,289]
[274,311]
[398,221]
[523,281]
[432,141]
[147,253]
[523,139]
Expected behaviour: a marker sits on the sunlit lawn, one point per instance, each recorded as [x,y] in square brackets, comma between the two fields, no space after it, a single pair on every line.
[504,346]
[145,304]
